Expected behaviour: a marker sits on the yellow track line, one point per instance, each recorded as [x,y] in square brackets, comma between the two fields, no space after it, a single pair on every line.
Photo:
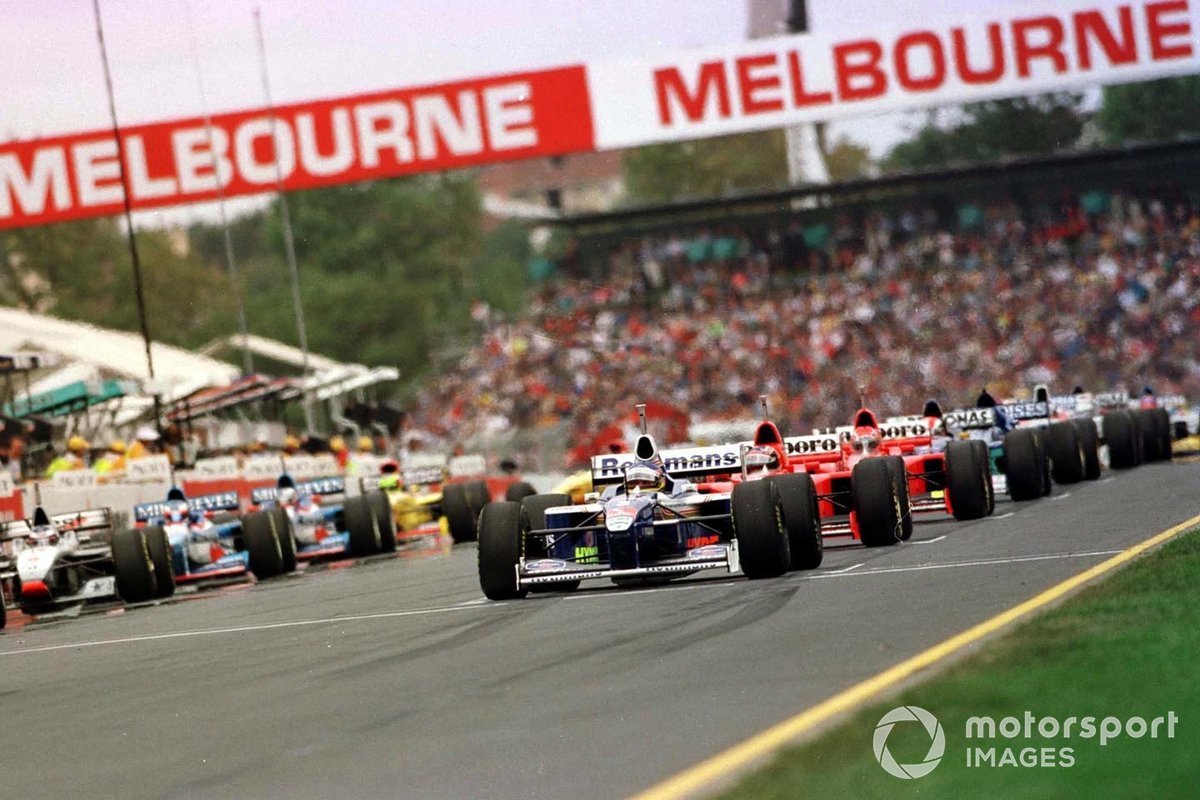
[723,764]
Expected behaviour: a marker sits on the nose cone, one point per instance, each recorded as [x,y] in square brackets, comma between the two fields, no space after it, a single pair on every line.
[35,591]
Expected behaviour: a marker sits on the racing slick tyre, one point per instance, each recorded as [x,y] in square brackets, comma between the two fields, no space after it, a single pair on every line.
[1089,443]
[263,543]
[134,568]
[478,496]
[459,516]
[1039,436]
[382,509]
[287,538]
[502,528]
[967,480]
[801,518]
[1122,437]
[1165,430]
[1022,465]
[519,491]
[535,506]
[984,456]
[876,502]
[763,544]
[1066,456]
[900,477]
[366,536]
[1148,426]
[159,547]
[3,609]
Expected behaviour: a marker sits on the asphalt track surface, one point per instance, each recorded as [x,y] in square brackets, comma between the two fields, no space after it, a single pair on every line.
[395,679]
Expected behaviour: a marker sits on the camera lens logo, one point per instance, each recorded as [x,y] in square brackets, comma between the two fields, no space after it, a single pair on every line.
[937,742]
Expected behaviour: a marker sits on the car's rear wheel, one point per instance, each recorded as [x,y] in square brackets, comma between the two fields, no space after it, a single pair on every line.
[159,547]
[366,538]
[134,568]
[263,543]
[967,480]
[1121,435]
[502,528]
[877,504]
[801,518]
[763,545]
[460,518]
[382,509]
[1022,465]
[1089,443]
[1066,456]
[519,491]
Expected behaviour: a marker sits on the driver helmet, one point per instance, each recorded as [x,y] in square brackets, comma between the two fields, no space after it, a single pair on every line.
[286,496]
[645,476]
[762,458]
[177,511]
[866,440]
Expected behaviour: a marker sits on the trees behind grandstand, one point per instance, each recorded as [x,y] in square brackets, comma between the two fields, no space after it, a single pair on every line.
[1151,111]
[389,271]
[982,132]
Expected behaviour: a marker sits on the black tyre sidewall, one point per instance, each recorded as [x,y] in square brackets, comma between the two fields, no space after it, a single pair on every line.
[358,516]
[763,545]
[134,568]
[263,544]
[964,481]
[501,540]
[802,519]
[159,547]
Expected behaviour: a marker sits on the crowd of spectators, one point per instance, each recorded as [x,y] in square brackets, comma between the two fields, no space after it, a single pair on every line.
[1100,291]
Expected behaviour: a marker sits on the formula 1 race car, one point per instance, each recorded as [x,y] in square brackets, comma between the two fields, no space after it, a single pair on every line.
[1017,454]
[358,526]
[198,539]
[872,477]
[424,504]
[1133,433]
[53,563]
[650,523]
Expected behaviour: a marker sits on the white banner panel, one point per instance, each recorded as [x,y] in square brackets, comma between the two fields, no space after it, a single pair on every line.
[768,83]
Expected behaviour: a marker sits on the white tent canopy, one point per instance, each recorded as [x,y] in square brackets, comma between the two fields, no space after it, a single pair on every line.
[114,353]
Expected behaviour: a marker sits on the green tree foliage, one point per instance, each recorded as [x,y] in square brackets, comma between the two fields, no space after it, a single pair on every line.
[388,271]
[82,270]
[992,130]
[1150,111]
[847,160]
[706,167]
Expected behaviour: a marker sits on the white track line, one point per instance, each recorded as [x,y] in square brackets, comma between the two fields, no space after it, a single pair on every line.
[931,541]
[1062,496]
[844,570]
[1005,516]
[953,564]
[243,629]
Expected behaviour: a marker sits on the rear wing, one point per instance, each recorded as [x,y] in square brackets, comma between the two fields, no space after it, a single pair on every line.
[1028,409]
[816,444]
[970,419]
[417,476]
[95,524]
[892,428]
[679,463]
[319,486]
[468,466]
[220,501]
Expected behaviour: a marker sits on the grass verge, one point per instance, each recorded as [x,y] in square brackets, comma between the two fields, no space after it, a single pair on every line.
[1126,647]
